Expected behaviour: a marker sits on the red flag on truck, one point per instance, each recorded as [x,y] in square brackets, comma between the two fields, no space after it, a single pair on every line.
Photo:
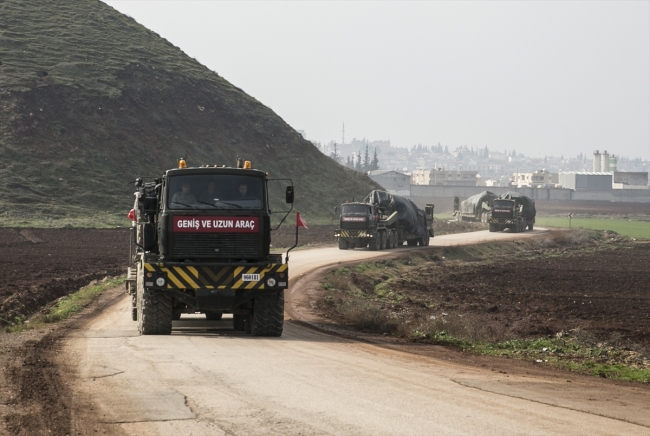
[300,221]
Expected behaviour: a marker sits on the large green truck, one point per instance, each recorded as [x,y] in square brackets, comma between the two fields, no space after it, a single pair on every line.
[384,221]
[202,245]
[513,211]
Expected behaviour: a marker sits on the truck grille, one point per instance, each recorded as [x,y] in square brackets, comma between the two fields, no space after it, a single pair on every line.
[354,225]
[217,245]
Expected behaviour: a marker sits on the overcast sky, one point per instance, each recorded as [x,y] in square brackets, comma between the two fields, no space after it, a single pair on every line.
[543,78]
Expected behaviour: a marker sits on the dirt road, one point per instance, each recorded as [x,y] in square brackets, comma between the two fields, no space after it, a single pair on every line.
[209,379]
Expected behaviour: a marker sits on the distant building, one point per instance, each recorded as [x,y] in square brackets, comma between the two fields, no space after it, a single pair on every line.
[302,133]
[583,181]
[392,181]
[444,177]
[630,180]
[534,180]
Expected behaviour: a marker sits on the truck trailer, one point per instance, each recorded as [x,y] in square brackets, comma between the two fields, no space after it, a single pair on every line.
[476,208]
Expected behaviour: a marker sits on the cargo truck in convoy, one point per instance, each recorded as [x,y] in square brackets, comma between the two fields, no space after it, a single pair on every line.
[513,211]
[384,221]
[202,241]
[476,208]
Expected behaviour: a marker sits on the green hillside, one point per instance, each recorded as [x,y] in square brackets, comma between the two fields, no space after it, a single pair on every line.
[90,99]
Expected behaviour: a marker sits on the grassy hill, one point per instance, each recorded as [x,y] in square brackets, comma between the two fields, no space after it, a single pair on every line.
[90,99]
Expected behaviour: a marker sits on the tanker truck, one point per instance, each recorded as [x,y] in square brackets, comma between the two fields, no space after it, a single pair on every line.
[513,211]
[384,221]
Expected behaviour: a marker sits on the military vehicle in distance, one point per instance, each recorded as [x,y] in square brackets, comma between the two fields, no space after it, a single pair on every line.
[476,208]
[513,211]
[384,221]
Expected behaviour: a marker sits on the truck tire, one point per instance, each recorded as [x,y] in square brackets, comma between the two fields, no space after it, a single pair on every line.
[154,313]
[493,227]
[343,244]
[372,245]
[238,322]
[213,316]
[382,240]
[530,226]
[268,315]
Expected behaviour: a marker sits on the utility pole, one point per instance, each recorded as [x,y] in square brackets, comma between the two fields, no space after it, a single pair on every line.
[343,138]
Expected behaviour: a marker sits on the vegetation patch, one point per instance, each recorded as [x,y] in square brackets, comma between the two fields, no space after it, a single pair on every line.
[634,228]
[66,306]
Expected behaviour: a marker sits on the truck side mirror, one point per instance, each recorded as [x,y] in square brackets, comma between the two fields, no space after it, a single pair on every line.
[289,195]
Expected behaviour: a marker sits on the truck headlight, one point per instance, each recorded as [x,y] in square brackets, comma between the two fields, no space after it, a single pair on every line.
[270,282]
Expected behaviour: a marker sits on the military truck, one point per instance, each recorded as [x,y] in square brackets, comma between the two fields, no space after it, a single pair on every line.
[202,245]
[384,221]
[476,208]
[513,211]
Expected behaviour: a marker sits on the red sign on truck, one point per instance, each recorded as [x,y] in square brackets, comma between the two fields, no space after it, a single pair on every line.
[216,224]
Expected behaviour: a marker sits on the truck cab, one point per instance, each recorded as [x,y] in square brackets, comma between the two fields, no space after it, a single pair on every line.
[202,238]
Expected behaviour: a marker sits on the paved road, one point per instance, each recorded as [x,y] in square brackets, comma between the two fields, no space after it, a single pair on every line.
[206,379]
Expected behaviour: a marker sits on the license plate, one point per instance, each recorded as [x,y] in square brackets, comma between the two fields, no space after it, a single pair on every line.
[250,277]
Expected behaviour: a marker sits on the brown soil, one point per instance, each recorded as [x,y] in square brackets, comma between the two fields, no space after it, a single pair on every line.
[548,288]
[40,265]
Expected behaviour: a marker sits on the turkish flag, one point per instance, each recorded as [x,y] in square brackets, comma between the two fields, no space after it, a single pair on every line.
[300,221]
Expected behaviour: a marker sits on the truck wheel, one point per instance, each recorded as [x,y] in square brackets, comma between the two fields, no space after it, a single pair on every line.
[268,315]
[343,244]
[238,322]
[154,313]
[213,316]
[176,316]
[492,227]
[372,244]
[530,226]
[382,240]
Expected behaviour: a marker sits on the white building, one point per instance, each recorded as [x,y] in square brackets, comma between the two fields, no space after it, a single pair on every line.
[443,177]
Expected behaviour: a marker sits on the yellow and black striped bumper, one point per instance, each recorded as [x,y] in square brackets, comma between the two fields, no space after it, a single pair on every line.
[215,277]
[353,234]
[502,221]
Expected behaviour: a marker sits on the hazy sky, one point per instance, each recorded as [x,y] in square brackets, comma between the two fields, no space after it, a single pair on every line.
[544,78]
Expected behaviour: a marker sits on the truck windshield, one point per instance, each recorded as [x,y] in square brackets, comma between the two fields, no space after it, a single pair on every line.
[355,209]
[215,191]
[502,204]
